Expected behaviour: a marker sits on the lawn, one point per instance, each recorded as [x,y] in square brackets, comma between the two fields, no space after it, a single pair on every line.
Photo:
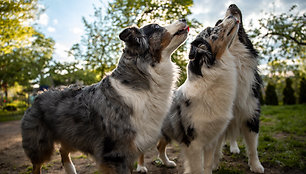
[11,115]
[282,145]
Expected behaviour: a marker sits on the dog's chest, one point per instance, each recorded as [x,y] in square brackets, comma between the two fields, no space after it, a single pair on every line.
[246,66]
[149,107]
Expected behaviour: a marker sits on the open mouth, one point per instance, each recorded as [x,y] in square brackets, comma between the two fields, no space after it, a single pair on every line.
[182,31]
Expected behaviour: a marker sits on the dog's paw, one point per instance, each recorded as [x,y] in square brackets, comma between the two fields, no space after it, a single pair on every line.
[215,165]
[170,164]
[235,149]
[141,169]
[257,168]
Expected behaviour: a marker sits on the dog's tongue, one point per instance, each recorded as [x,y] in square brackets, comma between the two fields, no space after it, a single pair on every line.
[187,28]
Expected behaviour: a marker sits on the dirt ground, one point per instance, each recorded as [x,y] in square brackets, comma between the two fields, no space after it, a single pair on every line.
[13,159]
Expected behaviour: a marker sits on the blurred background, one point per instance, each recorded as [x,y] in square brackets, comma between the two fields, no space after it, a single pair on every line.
[47,44]
[54,43]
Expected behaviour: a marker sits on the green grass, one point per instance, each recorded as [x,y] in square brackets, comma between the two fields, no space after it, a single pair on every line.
[11,115]
[282,141]
[282,136]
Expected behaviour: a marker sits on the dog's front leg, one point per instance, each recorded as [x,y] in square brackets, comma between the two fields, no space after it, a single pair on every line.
[141,168]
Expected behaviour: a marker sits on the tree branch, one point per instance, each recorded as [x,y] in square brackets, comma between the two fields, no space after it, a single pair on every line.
[286,36]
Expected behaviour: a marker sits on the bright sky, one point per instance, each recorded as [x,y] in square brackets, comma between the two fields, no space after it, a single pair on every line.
[62,19]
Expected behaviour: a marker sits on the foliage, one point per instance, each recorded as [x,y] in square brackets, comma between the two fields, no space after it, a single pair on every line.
[100,47]
[261,98]
[11,115]
[15,19]
[68,73]
[24,52]
[288,93]
[271,97]
[302,91]
[281,38]
[26,63]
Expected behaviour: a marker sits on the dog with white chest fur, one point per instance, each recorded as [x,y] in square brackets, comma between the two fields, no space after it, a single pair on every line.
[116,119]
[247,103]
[202,106]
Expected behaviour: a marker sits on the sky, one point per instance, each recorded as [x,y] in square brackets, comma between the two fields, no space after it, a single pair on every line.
[62,19]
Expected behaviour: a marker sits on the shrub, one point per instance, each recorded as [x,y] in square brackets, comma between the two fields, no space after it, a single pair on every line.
[271,97]
[302,94]
[288,92]
[10,108]
[261,98]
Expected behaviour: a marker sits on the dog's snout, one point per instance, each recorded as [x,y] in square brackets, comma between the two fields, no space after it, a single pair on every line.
[183,20]
[232,6]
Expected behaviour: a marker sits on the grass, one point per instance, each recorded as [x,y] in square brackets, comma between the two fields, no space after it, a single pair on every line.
[282,141]
[282,136]
[11,115]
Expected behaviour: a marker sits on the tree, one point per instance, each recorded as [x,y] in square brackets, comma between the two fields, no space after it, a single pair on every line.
[68,73]
[100,47]
[302,91]
[24,52]
[288,92]
[26,64]
[282,39]
[15,20]
[271,97]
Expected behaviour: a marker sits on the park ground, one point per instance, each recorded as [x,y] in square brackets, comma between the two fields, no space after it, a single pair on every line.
[282,149]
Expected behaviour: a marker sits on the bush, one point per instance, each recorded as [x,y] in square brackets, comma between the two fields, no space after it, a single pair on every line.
[288,92]
[271,97]
[302,94]
[261,98]
[10,108]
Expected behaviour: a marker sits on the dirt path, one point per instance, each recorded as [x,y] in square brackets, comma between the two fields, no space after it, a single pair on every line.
[13,159]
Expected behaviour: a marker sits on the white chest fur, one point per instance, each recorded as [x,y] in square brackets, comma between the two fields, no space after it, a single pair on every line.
[212,98]
[149,106]
[245,77]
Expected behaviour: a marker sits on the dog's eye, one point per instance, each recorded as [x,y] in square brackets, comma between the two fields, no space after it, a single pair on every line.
[202,46]
[156,26]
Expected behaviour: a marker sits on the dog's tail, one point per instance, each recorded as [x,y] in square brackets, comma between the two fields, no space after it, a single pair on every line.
[37,139]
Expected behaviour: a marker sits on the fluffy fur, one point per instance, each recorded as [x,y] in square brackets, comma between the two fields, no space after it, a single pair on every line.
[247,104]
[115,119]
[202,106]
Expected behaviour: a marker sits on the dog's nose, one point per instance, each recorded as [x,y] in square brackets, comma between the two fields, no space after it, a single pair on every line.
[183,20]
[232,6]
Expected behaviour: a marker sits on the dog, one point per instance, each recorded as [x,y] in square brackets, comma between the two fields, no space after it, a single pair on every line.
[247,104]
[119,117]
[202,107]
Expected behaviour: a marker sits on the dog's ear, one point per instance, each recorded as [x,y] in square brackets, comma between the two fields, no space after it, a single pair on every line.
[128,34]
[133,37]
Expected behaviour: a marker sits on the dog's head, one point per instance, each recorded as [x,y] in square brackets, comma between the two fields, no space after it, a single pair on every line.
[233,10]
[211,43]
[154,39]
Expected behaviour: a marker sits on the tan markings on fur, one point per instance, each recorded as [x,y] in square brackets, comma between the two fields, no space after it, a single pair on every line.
[166,39]
[219,49]
[65,155]
[36,168]
[161,146]
[141,159]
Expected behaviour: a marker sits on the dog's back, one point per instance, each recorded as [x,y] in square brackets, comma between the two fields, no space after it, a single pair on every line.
[78,119]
